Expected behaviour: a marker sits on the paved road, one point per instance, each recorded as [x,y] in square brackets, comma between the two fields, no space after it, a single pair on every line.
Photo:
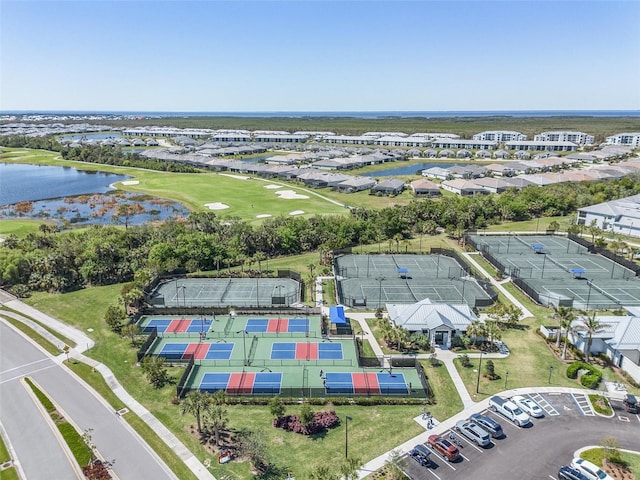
[37,449]
[113,436]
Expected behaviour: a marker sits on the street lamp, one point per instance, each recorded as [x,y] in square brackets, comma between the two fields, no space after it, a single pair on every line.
[589,282]
[380,280]
[506,377]
[479,369]
[346,435]
[550,371]
[244,346]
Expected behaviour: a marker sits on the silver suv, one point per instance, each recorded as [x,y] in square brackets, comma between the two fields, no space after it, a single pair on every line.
[473,432]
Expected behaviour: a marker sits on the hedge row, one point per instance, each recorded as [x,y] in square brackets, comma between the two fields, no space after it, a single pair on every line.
[588,380]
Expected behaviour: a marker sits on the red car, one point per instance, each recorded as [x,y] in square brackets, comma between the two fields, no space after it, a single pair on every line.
[444,447]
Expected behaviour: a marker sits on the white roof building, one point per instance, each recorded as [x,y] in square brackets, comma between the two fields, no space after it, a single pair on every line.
[541,146]
[499,136]
[618,216]
[580,138]
[631,139]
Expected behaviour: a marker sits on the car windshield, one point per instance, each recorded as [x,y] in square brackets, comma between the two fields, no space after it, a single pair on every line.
[601,474]
[517,411]
[446,444]
[631,399]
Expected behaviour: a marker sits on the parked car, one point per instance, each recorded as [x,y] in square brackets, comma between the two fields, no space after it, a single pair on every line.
[421,454]
[488,424]
[568,473]
[473,432]
[528,406]
[589,470]
[444,447]
[631,403]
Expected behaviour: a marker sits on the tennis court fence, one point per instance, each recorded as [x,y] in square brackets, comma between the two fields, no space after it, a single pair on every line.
[183,383]
[146,345]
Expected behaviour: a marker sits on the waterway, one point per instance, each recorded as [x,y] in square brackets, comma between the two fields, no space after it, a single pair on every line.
[412,169]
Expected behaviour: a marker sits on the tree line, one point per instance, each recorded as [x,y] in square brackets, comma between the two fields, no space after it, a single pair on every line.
[49,260]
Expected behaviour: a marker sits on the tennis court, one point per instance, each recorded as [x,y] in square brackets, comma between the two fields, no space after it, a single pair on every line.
[558,271]
[242,383]
[177,326]
[306,351]
[368,383]
[225,292]
[200,351]
[277,325]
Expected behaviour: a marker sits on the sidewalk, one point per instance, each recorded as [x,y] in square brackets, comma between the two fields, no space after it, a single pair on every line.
[84,343]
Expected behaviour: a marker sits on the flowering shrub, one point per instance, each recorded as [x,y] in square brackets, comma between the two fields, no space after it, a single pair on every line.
[321,421]
[96,471]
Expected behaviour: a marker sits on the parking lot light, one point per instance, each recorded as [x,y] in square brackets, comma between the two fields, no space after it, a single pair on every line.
[550,372]
[506,377]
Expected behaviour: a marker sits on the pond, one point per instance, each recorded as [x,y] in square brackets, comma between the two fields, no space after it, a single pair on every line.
[411,169]
[69,196]
[92,136]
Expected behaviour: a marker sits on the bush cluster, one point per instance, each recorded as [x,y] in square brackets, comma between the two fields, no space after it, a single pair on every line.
[96,471]
[321,422]
[588,380]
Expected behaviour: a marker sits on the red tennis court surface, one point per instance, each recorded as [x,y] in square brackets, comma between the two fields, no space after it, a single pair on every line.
[365,383]
[178,326]
[241,383]
[277,325]
[306,351]
[198,350]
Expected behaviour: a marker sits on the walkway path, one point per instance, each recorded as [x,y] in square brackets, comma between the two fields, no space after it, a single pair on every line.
[84,343]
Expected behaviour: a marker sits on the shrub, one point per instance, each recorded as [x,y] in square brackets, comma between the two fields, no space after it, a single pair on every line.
[321,421]
[574,368]
[590,380]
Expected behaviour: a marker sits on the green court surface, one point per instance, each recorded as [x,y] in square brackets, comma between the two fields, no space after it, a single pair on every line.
[557,271]
[254,355]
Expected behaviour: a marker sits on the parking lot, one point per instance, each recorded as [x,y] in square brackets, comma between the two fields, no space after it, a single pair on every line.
[535,451]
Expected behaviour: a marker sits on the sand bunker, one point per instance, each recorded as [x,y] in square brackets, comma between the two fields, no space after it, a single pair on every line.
[296,212]
[263,215]
[130,182]
[271,185]
[290,195]
[239,177]
[216,206]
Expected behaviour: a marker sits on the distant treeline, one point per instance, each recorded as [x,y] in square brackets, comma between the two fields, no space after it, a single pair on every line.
[104,155]
[466,127]
[99,255]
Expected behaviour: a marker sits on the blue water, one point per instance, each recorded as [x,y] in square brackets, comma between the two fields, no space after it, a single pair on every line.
[91,136]
[20,182]
[356,114]
[414,168]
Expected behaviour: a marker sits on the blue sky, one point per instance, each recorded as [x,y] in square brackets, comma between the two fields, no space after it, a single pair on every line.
[319,55]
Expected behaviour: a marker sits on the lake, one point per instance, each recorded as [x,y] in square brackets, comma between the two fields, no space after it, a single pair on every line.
[411,169]
[91,136]
[66,195]
[21,182]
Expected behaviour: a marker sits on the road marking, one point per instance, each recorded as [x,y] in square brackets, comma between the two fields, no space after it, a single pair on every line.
[433,473]
[448,464]
[464,457]
[552,477]
[583,404]
[25,365]
[17,377]
[544,404]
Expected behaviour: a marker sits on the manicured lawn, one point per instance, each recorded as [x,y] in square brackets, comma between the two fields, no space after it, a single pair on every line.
[532,225]
[448,401]
[20,227]
[4,452]
[595,455]
[58,335]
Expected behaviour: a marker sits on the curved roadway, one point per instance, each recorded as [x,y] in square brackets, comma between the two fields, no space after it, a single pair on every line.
[38,451]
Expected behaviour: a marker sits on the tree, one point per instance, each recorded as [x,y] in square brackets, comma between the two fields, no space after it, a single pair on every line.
[131,330]
[593,230]
[216,418]
[565,317]
[276,406]
[490,370]
[476,329]
[195,403]
[393,466]
[306,414]
[590,325]
[254,446]
[492,331]
[156,372]
[114,317]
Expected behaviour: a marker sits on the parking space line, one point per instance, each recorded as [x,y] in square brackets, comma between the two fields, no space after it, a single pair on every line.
[502,420]
[461,437]
[464,457]
[552,477]
[544,404]
[583,404]
[432,473]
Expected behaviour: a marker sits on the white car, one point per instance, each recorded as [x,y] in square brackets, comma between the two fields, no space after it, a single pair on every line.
[528,405]
[589,470]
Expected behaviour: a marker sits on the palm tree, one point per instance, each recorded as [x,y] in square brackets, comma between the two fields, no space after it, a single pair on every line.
[475,330]
[349,468]
[565,316]
[195,403]
[216,415]
[590,325]
[322,472]
[492,331]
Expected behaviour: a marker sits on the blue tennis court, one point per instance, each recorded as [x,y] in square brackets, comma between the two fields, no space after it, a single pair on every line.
[178,326]
[219,351]
[173,351]
[199,326]
[368,383]
[330,351]
[160,324]
[299,325]
[242,383]
[256,325]
[283,351]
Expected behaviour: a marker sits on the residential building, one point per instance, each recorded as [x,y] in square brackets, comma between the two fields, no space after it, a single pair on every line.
[390,186]
[465,188]
[539,146]
[468,144]
[580,138]
[425,188]
[499,136]
[631,139]
[616,216]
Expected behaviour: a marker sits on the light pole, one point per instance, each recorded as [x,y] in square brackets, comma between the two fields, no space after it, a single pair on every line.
[506,377]
[550,372]
[588,294]
[544,259]
[380,280]
[346,436]
[479,369]
[244,346]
